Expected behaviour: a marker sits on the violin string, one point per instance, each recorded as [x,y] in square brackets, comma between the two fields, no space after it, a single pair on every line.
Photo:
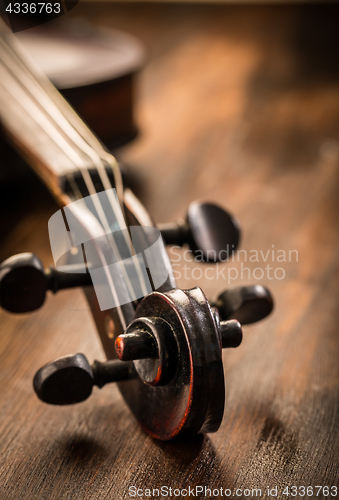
[44,123]
[45,102]
[88,181]
[111,284]
[45,91]
[95,144]
[72,117]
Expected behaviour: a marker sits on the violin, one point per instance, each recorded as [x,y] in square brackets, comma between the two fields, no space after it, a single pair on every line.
[163,344]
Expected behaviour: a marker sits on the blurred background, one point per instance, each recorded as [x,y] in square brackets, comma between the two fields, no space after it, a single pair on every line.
[235,103]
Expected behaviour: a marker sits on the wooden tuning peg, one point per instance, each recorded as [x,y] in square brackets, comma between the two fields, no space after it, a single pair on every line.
[70,379]
[247,304]
[24,282]
[211,232]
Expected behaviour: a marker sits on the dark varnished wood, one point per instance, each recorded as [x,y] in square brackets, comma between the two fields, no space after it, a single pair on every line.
[262,143]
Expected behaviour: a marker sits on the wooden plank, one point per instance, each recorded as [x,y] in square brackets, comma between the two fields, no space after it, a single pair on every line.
[240,106]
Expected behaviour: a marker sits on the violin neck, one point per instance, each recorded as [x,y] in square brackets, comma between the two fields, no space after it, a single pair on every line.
[46,130]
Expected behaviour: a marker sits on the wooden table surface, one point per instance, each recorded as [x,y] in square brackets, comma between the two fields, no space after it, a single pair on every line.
[239,105]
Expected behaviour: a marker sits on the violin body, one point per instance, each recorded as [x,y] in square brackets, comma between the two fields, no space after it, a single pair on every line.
[94,69]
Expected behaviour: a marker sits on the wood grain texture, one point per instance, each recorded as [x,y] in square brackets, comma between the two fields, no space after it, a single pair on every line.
[238,105]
